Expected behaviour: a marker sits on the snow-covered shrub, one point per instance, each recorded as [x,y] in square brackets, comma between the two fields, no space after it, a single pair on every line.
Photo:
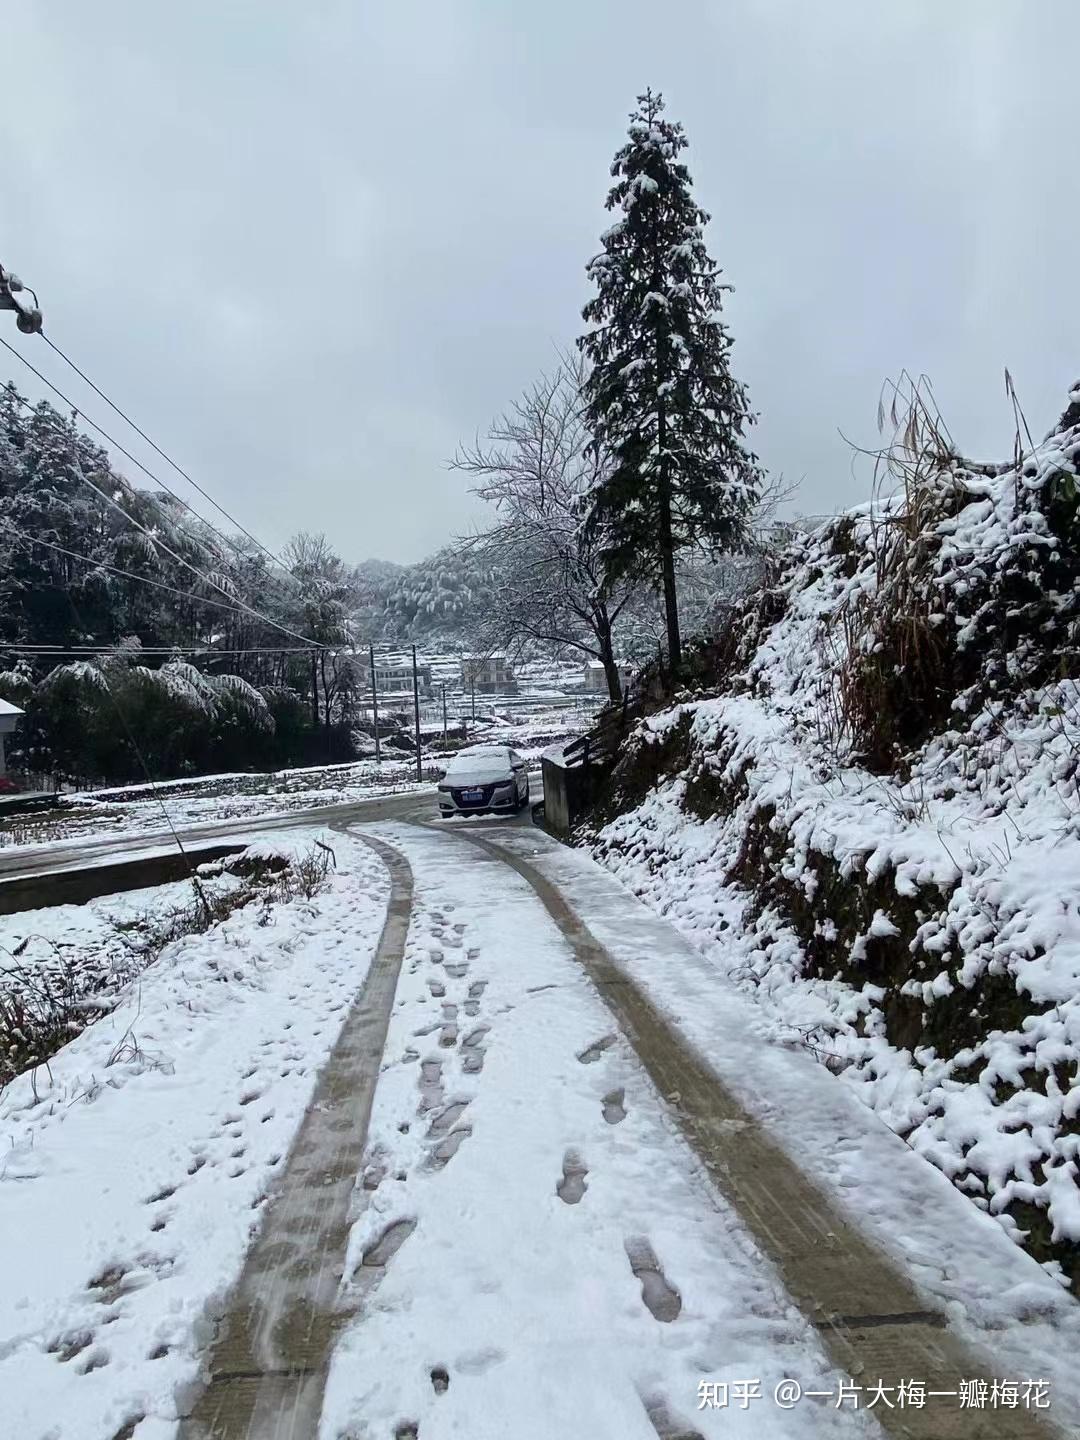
[51,989]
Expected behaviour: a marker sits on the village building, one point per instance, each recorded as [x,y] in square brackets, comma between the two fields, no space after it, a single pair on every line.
[394,676]
[10,715]
[596,679]
[488,674]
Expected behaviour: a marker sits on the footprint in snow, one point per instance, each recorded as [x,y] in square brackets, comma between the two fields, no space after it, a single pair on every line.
[662,1300]
[431,1089]
[666,1425]
[472,1052]
[95,1359]
[379,1254]
[447,1118]
[130,1425]
[476,990]
[108,1282]
[615,1107]
[449,1030]
[590,1055]
[448,1147]
[70,1344]
[373,1175]
[572,1186]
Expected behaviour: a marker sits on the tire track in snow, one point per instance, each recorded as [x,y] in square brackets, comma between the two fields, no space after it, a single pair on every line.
[268,1364]
[872,1322]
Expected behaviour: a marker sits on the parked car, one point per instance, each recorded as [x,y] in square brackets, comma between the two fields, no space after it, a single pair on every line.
[484,780]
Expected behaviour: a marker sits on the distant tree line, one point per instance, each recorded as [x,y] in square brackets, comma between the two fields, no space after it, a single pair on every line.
[124,602]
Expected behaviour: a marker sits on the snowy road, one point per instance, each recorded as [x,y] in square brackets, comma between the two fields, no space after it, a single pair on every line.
[517,1202]
[546,1243]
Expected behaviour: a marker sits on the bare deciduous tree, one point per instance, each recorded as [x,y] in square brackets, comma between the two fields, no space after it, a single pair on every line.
[533,469]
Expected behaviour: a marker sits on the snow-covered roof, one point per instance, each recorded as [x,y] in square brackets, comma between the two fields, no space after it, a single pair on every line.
[6,708]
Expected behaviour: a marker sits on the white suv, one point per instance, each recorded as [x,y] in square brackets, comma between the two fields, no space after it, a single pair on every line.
[484,780]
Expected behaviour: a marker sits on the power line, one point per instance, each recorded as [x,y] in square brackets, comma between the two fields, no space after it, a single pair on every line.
[126,574]
[270,554]
[111,440]
[165,456]
[151,537]
[387,648]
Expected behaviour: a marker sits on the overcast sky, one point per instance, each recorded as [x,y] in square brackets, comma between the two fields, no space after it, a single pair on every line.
[312,246]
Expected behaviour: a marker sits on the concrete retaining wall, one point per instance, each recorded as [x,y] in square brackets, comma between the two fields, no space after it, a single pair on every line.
[75,887]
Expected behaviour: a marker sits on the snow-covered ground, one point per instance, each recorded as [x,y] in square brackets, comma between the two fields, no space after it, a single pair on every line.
[535,1250]
[133,1166]
[536,1172]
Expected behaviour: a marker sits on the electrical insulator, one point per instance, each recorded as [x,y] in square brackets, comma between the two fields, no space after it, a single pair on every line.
[15,296]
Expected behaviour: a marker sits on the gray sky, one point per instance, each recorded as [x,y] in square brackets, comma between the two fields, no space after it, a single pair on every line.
[311,246]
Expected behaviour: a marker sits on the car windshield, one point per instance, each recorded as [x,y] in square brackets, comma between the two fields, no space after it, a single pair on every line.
[489,762]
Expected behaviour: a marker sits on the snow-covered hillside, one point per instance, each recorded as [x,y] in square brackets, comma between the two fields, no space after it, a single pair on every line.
[868,815]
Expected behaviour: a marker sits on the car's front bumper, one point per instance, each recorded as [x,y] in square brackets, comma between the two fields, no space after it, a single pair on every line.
[494,799]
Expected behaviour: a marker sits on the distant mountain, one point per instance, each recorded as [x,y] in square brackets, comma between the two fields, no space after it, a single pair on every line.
[379,572]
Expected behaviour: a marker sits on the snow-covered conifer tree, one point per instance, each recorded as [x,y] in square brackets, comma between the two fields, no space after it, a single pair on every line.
[660,398]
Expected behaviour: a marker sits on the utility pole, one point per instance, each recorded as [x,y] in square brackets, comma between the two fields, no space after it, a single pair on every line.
[416,716]
[374,703]
[444,711]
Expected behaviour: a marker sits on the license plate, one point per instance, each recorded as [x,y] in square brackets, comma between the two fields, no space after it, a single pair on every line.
[470,796]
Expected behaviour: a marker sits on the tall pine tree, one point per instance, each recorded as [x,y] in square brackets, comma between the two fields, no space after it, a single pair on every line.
[660,399]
